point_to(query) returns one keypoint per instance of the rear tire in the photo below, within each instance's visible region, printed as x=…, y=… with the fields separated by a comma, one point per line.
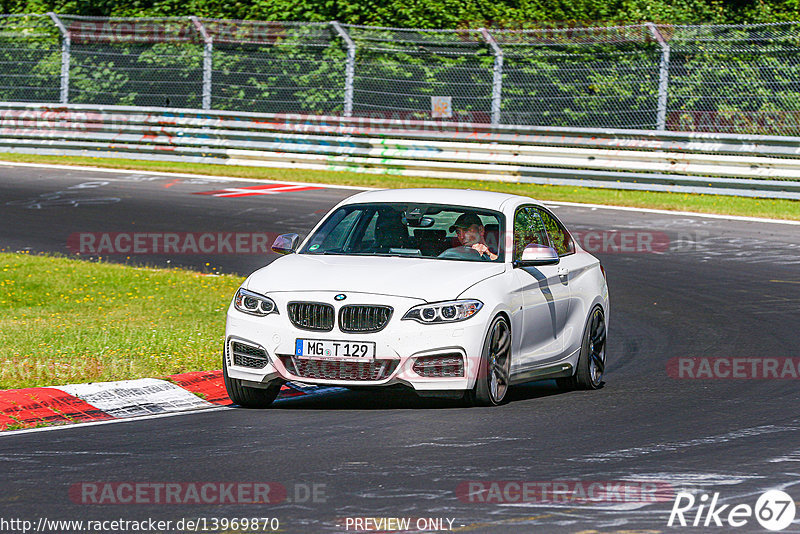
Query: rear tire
x=492, y=383
x=248, y=397
x=592, y=359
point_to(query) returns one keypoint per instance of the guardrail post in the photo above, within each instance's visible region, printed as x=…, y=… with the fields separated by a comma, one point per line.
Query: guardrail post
x=66, y=44
x=350, y=68
x=497, y=75
x=208, y=50
x=663, y=78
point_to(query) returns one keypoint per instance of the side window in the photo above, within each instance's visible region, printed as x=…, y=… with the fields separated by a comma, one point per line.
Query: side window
x=338, y=234
x=528, y=229
x=559, y=236
x=369, y=232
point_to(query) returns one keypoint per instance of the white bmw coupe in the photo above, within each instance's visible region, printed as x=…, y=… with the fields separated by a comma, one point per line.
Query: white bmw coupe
x=453, y=293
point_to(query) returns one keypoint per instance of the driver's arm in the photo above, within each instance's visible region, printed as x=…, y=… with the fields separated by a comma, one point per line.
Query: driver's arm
x=482, y=249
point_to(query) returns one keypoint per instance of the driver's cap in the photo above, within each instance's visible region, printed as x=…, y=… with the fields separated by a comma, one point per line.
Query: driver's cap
x=465, y=220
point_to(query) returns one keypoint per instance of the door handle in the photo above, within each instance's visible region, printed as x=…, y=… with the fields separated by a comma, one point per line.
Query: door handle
x=563, y=272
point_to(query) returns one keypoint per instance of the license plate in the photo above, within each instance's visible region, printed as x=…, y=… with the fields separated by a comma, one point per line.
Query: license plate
x=336, y=350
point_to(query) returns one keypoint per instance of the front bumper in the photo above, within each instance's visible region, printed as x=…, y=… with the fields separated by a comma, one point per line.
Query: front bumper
x=425, y=357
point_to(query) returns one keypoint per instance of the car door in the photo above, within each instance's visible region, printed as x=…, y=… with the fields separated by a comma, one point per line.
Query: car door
x=576, y=271
x=545, y=296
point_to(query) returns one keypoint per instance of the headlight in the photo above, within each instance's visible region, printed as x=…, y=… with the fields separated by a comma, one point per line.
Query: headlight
x=253, y=303
x=444, y=312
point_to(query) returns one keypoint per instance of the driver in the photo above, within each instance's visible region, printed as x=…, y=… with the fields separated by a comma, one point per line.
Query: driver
x=472, y=235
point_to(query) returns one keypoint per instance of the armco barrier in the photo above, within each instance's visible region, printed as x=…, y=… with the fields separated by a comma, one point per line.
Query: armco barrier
x=726, y=164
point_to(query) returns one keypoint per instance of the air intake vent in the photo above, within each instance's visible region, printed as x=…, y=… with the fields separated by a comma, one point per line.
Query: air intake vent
x=363, y=319
x=439, y=366
x=248, y=355
x=311, y=315
x=336, y=370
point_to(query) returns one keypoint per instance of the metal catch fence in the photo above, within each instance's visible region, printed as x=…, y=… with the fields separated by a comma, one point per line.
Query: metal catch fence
x=733, y=79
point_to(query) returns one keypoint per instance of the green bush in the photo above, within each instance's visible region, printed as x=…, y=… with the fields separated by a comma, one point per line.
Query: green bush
x=434, y=13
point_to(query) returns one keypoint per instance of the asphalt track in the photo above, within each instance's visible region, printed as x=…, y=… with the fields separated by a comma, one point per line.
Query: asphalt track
x=721, y=288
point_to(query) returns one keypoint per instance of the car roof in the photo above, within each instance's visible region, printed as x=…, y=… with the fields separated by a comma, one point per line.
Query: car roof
x=458, y=197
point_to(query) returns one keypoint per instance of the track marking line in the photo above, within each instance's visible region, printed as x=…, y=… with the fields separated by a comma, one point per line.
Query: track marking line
x=268, y=189
x=358, y=188
x=673, y=213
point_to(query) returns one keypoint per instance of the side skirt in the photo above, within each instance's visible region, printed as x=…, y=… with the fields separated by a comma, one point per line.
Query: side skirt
x=543, y=373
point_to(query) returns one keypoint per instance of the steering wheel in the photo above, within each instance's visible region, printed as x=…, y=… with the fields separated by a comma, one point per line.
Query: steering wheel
x=463, y=251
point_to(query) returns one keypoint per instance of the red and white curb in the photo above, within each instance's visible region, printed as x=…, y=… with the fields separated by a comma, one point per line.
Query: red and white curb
x=103, y=401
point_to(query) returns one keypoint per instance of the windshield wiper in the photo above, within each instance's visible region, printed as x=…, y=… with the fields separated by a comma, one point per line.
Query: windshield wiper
x=373, y=254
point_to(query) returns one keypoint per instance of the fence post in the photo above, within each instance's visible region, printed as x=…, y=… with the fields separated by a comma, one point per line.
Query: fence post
x=497, y=75
x=208, y=49
x=66, y=44
x=663, y=78
x=350, y=68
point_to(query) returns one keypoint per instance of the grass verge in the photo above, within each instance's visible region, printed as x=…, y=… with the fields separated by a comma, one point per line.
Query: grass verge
x=72, y=321
x=725, y=205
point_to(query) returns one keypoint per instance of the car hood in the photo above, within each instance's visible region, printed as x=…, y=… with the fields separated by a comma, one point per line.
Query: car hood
x=427, y=279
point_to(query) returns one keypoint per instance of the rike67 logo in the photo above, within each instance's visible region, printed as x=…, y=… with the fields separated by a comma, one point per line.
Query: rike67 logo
x=774, y=510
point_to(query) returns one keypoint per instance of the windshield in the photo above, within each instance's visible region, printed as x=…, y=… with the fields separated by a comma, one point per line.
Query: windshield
x=410, y=230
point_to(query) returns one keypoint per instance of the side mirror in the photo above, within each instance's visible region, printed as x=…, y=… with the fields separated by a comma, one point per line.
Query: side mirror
x=286, y=244
x=535, y=254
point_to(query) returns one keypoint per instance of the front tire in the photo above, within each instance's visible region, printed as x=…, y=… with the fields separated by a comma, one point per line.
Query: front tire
x=492, y=383
x=592, y=359
x=248, y=397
